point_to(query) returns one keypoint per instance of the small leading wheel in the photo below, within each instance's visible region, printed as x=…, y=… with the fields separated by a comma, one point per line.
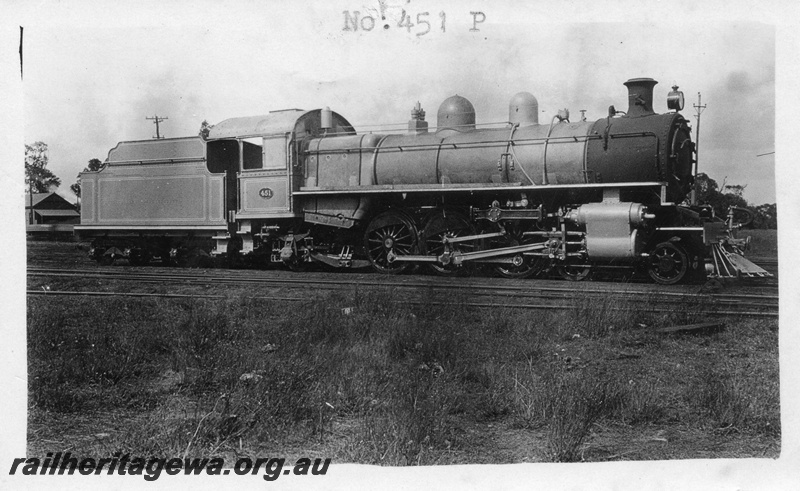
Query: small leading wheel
x=668, y=263
x=574, y=269
x=446, y=224
x=391, y=231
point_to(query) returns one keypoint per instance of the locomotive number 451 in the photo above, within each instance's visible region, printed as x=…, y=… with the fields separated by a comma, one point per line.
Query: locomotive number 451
x=355, y=21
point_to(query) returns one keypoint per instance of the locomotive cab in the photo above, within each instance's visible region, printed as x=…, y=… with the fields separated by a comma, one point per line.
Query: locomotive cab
x=265, y=149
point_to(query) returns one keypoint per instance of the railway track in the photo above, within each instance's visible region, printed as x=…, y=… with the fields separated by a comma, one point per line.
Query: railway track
x=476, y=292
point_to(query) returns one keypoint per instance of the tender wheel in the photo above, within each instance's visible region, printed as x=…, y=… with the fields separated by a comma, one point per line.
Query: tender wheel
x=166, y=259
x=573, y=269
x=206, y=262
x=139, y=257
x=446, y=224
x=390, y=231
x=195, y=258
x=107, y=259
x=668, y=263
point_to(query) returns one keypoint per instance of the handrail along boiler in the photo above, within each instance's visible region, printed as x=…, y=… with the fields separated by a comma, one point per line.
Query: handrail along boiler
x=296, y=187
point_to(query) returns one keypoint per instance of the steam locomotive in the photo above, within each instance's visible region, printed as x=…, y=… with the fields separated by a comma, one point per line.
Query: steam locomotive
x=298, y=187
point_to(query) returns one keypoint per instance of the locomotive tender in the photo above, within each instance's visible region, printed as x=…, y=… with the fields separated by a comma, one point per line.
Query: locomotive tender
x=296, y=187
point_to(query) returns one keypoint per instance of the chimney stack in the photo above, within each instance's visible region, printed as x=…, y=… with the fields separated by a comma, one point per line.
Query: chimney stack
x=640, y=97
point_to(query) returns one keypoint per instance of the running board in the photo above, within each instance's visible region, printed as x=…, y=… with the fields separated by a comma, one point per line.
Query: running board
x=731, y=265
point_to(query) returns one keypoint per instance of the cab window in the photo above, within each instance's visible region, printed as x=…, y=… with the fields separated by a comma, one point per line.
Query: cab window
x=252, y=154
x=275, y=153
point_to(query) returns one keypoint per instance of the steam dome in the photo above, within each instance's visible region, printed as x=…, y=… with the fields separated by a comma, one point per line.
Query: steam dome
x=456, y=112
x=523, y=109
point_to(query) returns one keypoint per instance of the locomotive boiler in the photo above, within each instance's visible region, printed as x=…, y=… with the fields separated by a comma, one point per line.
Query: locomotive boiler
x=298, y=187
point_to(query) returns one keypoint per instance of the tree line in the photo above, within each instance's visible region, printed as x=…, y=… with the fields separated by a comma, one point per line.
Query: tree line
x=722, y=197
x=39, y=179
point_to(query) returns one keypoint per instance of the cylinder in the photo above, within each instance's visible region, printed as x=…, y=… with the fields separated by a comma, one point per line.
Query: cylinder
x=610, y=229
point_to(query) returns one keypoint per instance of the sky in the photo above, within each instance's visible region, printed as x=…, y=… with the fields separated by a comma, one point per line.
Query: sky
x=93, y=71
x=90, y=82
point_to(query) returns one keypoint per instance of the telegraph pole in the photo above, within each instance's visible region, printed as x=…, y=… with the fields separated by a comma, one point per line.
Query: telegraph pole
x=157, y=120
x=699, y=108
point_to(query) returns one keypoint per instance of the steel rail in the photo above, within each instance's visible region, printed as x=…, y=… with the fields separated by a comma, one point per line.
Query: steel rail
x=543, y=294
x=400, y=301
x=495, y=291
x=228, y=276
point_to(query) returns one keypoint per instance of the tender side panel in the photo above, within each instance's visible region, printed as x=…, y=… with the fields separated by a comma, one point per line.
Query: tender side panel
x=157, y=195
x=88, y=198
x=164, y=149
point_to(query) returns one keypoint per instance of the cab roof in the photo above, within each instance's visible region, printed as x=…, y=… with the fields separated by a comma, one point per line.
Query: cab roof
x=277, y=123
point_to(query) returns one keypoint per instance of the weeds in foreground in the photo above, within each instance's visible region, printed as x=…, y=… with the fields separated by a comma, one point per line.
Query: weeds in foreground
x=76, y=361
x=734, y=402
x=596, y=317
x=410, y=424
x=575, y=404
x=568, y=402
x=404, y=380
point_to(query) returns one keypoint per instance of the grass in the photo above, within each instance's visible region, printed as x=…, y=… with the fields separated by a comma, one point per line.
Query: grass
x=392, y=384
x=763, y=243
